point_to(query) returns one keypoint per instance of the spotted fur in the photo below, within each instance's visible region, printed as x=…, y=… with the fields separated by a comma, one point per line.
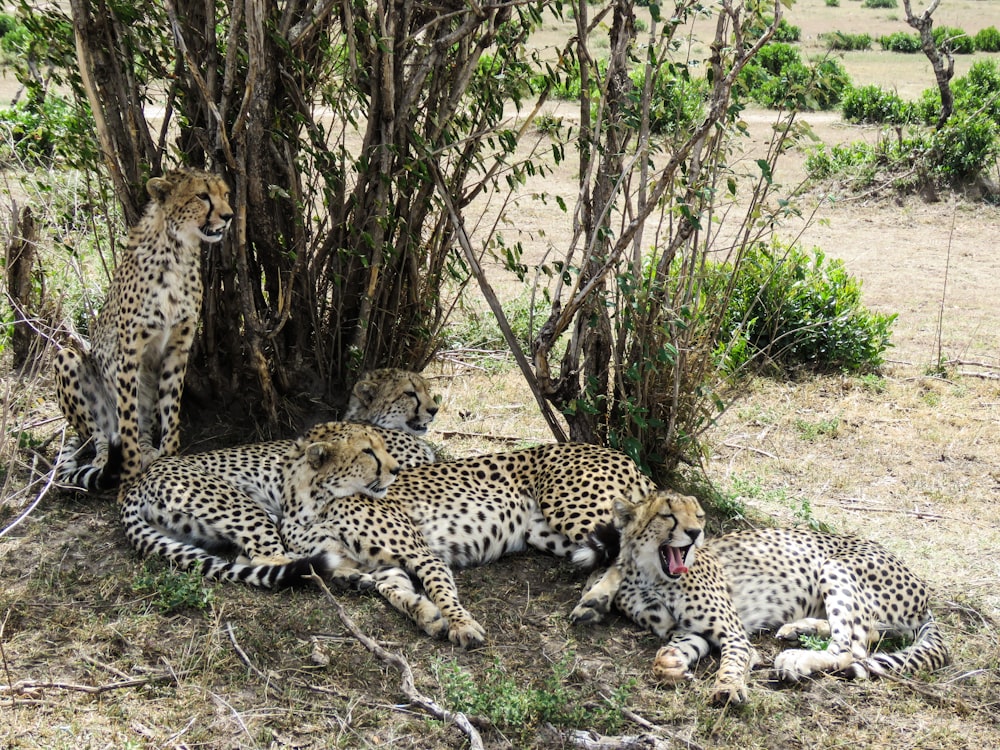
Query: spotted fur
x=798, y=581
x=192, y=509
x=467, y=512
x=122, y=391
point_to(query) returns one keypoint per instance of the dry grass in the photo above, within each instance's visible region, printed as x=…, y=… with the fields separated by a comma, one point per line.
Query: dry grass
x=89, y=660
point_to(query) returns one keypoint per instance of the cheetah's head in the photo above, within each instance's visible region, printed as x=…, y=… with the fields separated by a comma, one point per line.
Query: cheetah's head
x=662, y=532
x=337, y=459
x=393, y=399
x=195, y=203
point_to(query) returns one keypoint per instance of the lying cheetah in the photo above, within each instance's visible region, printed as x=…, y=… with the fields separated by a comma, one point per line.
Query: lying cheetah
x=121, y=393
x=461, y=513
x=191, y=509
x=750, y=581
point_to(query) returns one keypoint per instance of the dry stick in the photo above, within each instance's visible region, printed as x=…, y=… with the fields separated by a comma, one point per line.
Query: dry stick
x=243, y=655
x=395, y=660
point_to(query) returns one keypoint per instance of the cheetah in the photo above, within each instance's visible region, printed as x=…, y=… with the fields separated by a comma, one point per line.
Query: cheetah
x=193, y=509
x=121, y=392
x=394, y=399
x=698, y=594
x=464, y=512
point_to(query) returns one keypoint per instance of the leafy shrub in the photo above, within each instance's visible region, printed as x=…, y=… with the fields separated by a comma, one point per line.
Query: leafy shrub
x=879, y=4
x=954, y=40
x=840, y=40
x=777, y=78
x=832, y=3
x=677, y=101
x=786, y=32
x=872, y=104
x=796, y=309
x=987, y=40
x=979, y=89
x=900, y=41
x=41, y=132
x=964, y=146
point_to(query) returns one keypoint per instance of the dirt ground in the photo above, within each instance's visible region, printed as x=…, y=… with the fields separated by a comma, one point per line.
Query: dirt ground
x=911, y=459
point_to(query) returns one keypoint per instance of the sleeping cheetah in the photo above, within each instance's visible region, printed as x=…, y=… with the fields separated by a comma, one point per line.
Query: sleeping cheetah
x=192, y=509
x=463, y=512
x=125, y=386
x=750, y=581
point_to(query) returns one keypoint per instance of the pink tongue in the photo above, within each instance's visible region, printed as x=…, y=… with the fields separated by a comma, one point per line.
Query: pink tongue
x=677, y=565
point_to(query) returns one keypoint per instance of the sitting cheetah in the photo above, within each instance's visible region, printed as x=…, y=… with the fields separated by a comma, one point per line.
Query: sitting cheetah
x=192, y=508
x=126, y=385
x=750, y=581
x=461, y=513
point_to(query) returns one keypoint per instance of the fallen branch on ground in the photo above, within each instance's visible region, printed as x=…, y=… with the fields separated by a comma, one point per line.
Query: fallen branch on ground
x=398, y=662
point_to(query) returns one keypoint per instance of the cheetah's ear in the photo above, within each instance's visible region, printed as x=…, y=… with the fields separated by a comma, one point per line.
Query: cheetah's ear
x=318, y=454
x=365, y=391
x=159, y=188
x=624, y=513
x=324, y=452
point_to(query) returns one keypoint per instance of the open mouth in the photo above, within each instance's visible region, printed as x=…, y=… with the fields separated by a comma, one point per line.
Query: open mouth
x=672, y=559
x=210, y=234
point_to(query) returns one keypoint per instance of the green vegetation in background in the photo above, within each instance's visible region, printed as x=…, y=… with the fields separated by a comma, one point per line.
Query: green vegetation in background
x=778, y=79
x=791, y=309
x=966, y=146
x=842, y=41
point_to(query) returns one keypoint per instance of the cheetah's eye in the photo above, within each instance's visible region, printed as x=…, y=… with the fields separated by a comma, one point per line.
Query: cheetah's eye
x=369, y=452
x=203, y=196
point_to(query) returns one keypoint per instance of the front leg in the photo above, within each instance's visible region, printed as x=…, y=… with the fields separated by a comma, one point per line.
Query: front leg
x=170, y=388
x=436, y=579
x=597, y=599
x=128, y=413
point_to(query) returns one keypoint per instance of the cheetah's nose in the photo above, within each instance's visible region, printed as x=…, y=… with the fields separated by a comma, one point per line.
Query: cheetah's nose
x=693, y=534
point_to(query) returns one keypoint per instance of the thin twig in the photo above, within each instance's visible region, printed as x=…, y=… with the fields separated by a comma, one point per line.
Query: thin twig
x=738, y=447
x=243, y=655
x=399, y=662
x=650, y=726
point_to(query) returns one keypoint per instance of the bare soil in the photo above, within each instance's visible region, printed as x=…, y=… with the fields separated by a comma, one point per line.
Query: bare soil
x=911, y=459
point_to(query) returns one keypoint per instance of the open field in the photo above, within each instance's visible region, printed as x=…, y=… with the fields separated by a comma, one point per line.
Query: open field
x=911, y=459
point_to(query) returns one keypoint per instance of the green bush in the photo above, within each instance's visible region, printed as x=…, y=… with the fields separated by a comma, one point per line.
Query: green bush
x=954, y=40
x=879, y=4
x=872, y=104
x=900, y=41
x=39, y=133
x=786, y=32
x=777, y=78
x=795, y=309
x=987, y=40
x=979, y=89
x=677, y=102
x=964, y=147
x=832, y=3
x=840, y=40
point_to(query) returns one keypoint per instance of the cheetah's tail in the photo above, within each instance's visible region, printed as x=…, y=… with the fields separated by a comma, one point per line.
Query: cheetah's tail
x=89, y=477
x=150, y=541
x=928, y=652
x=601, y=548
